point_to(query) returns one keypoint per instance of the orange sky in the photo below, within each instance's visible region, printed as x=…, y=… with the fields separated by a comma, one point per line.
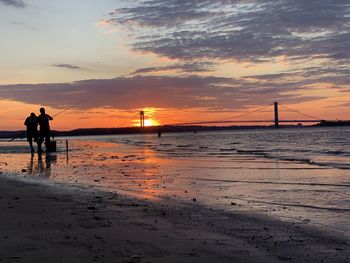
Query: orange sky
x=14, y=114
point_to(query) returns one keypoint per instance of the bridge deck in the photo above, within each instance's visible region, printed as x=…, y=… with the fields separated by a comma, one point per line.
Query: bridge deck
x=247, y=121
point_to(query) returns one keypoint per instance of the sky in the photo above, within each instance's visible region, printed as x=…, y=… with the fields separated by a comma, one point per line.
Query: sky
x=102, y=62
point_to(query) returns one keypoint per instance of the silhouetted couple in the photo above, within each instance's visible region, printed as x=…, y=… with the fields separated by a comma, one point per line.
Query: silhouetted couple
x=32, y=123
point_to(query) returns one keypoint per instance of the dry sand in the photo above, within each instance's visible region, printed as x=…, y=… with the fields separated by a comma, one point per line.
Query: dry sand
x=61, y=223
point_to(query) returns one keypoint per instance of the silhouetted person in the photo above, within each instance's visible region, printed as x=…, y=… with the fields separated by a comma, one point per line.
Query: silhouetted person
x=43, y=120
x=31, y=123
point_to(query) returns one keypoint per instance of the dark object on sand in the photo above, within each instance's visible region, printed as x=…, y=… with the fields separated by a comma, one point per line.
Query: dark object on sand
x=51, y=146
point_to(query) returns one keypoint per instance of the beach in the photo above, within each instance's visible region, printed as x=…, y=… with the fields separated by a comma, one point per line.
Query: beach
x=57, y=223
x=109, y=201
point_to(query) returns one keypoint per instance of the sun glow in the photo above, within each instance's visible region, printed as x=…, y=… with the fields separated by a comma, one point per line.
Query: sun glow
x=147, y=118
x=150, y=122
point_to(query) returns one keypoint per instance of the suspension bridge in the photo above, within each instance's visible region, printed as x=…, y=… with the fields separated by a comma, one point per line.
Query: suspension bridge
x=274, y=113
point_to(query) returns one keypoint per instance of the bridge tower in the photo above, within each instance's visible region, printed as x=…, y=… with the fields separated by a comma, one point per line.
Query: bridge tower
x=276, y=114
x=142, y=119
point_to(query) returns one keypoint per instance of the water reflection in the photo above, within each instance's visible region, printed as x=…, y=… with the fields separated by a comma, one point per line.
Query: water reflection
x=41, y=166
x=209, y=171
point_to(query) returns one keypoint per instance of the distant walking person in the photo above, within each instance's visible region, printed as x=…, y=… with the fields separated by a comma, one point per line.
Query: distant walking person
x=43, y=120
x=31, y=123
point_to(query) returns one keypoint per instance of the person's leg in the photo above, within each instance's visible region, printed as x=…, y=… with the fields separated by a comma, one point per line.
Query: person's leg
x=30, y=141
x=40, y=141
x=31, y=145
x=47, y=141
x=36, y=138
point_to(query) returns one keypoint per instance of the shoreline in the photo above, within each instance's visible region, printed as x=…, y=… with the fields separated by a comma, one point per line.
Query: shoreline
x=61, y=222
x=7, y=135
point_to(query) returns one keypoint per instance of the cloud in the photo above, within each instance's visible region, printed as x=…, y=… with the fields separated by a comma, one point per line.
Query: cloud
x=186, y=68
x=15, y=3
x=336, y=76
x=66, y=66
x=127, y=93
x=313, y=36
x=254, y=30
x=346, y=104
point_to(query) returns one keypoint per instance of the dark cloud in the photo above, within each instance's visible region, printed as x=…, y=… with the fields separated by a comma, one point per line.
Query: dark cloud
x=186, y=68
x=343, y=105
x=15, y=3
x=335, y=105
x=254, y=30
x=312, y=32
x=66, y=66
x=212, y=93
x=335, y=76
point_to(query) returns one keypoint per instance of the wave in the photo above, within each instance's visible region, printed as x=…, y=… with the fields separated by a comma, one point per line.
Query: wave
x=267, y=182
x=334, y=209
x=185, y=146
x=270, y=155
x=337, y=153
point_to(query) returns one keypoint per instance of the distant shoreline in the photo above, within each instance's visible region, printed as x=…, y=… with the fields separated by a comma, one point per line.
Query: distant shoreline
x=169, y=129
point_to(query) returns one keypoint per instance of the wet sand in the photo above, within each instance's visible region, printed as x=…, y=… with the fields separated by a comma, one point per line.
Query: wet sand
x=56, y=222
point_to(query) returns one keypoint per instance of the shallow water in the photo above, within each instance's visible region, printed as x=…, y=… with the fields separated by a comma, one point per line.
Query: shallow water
x=295, y=174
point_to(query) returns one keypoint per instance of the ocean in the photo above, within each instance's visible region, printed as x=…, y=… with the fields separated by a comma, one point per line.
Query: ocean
x=298, y=175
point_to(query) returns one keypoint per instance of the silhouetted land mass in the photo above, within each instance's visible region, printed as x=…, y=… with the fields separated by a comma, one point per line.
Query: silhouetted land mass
x=333, y=123
x=128, y=130
x=163, y=129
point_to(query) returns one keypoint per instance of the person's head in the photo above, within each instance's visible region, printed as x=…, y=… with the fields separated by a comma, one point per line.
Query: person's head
x=32, y=115
x=42, y=110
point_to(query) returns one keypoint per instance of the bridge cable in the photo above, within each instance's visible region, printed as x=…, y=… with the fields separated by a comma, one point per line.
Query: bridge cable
x=304, y=114
x=223, y=120
x=247, y=113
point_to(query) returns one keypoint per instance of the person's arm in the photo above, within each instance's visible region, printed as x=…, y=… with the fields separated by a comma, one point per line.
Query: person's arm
x=26, y=122
x=50, y=118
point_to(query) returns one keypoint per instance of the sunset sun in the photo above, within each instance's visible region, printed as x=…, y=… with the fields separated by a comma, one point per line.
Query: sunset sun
x=150, y=122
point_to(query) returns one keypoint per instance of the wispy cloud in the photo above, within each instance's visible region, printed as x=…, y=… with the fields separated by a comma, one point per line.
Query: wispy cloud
x=185, y=68
x=66, y=66
x=15, y=3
